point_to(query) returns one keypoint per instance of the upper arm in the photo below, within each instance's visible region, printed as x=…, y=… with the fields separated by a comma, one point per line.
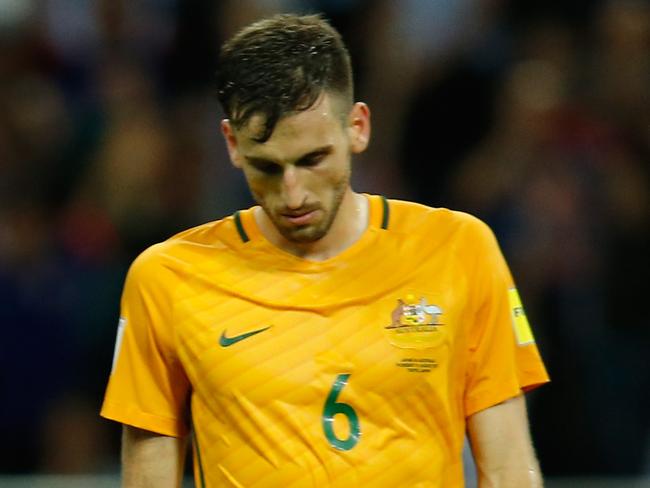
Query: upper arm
x=151, y=460
x=148, y=387
x=502, y=447
x=502, y=357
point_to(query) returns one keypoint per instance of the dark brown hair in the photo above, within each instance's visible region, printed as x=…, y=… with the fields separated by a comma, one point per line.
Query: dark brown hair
x=279, y=66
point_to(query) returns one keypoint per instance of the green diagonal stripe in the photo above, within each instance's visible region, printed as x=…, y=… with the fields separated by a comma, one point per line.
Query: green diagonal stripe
x=195, y=441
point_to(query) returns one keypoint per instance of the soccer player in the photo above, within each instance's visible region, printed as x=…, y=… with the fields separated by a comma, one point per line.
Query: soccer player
x=324, y=338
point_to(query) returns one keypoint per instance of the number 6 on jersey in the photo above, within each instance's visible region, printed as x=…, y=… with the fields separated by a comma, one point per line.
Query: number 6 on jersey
x=332, y=407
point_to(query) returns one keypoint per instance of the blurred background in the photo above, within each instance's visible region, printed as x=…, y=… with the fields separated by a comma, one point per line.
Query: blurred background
x=534, y=116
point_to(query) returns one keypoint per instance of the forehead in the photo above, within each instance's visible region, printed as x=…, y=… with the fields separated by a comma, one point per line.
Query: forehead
x=295, y=135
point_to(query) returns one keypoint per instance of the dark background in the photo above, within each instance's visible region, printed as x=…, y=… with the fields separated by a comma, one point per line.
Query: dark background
x=534, y=116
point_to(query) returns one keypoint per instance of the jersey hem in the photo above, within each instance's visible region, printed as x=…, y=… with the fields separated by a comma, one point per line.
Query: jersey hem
x=500, y=396
x=143, y=420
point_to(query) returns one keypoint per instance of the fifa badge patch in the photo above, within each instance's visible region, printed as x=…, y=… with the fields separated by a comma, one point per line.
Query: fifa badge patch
x=415, y=324
x=523, y=333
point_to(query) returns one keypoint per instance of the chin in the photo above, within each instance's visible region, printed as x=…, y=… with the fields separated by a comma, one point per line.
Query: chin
x=303, y=235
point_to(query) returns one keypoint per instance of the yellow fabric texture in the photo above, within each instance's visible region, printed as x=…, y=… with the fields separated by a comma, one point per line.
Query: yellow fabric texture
x=358, y=371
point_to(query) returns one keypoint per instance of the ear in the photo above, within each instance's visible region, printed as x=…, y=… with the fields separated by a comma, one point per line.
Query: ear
x=231, y=142
x=359, y=127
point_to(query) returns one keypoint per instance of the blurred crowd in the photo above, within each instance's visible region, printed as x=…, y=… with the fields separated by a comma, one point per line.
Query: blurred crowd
x=534, y=116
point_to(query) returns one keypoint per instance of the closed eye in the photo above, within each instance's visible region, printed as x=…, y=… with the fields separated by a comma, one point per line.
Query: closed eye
x=313, y=159
x=266, y=167
x=270, y=167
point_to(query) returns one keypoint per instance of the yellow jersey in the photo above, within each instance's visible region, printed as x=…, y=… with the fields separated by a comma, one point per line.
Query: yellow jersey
x=357, y=371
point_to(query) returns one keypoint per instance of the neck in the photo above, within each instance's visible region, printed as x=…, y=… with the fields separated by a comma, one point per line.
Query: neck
x=349, y=224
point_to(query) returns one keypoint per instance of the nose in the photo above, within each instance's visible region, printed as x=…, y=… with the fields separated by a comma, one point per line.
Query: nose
x=293, y=191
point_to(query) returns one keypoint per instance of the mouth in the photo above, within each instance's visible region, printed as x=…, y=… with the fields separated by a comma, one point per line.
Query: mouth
x=300, y=218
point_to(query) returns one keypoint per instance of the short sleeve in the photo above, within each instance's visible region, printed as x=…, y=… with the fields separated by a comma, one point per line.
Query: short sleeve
x=147, y=387
x=503, y=359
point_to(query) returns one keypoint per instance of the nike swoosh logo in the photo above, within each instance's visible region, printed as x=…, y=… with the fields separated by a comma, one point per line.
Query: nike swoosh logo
x=229, y=341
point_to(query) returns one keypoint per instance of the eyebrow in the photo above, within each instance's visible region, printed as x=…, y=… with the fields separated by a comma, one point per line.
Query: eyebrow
x=315, y=152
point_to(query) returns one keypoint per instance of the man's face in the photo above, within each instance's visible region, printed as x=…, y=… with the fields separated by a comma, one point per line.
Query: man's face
x=300, y=175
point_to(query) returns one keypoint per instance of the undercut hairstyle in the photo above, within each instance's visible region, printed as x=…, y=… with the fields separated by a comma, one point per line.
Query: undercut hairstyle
x=280, y=66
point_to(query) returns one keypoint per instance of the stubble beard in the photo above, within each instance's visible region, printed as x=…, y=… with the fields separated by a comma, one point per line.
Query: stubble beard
x=309, y=233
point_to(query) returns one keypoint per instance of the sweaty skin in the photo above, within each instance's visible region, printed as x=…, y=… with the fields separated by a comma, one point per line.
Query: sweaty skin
x=301, y=177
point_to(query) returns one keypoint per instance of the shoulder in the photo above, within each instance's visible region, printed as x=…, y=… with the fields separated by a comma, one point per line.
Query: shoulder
x=424, y=231
x=413, y=218
x=186, y=250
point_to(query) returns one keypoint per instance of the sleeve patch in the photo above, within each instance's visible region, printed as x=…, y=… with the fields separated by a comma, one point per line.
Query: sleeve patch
x=118, y=341
x=520, y=323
